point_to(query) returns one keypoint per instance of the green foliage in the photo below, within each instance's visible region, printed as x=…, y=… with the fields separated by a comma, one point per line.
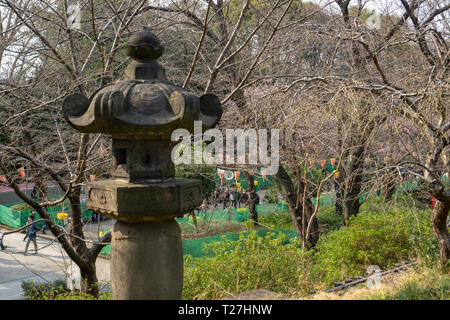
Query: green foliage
x=247, y=264
x=277, y=220
x=328, y=218
x=44, y=290
x=374, y=237
x=271, y=195
x=417, y=222
x=82, y=296
x=56, y=290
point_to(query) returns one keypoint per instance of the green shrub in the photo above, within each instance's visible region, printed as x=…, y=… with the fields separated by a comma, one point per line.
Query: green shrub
x=43, y=290
x=271, y=195
x=249, y=263
x=417, y=221
x=328, y=218
x=82, y=296
x=372, y=238
x=56, y=290
x=276, y=220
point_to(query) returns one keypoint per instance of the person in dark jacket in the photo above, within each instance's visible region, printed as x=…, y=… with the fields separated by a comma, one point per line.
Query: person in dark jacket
x=30, y=219
x=32, y=230
x=34, y=193
x=224, y=198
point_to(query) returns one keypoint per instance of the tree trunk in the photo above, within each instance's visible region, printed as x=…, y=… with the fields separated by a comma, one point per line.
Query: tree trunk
x=440, y=229
x=351, y=208
x=389, y=185
x=194, y=220
x=87, y=269
x=89, y=281
x=353, y=185
x=252, y=199
x=295, y=207
x=341, y=178
x=77, y=224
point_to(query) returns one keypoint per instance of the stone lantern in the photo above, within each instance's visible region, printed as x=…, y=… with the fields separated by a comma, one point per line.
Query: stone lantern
x=140, y=113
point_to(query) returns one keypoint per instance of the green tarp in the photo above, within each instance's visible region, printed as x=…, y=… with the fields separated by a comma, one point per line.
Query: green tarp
x=195, y=247
x=18, y=218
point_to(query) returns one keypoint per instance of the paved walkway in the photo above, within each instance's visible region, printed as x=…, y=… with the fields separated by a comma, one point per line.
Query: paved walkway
x=49, y=264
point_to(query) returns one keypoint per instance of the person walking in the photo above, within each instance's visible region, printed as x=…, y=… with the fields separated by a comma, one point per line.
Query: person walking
x=232, y=199
x=244, y=197
x=204, y=209
x=34, y=193
x=238, y=198
x=224, y=198
x=30, y=219
x=35, y=196
x=31, y=233
x=216, y=198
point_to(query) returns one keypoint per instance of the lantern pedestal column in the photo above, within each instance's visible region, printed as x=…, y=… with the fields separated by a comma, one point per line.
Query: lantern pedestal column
x=146, y=261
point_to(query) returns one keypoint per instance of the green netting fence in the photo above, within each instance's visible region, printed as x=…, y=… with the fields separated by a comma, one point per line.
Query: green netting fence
x=220, y=216
x=195, y=247
x=17, y=218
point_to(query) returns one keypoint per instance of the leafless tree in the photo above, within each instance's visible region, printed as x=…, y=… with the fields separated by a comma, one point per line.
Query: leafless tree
x=43, y=61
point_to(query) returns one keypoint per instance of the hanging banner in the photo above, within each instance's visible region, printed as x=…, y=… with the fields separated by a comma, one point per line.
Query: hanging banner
x=323, y=164
x=367, y=161
x=332, y=161
x=414, y=155
x=92, y=177
x=221, y=176
x=236, y=175
x=22, y=172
